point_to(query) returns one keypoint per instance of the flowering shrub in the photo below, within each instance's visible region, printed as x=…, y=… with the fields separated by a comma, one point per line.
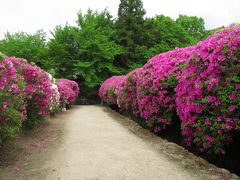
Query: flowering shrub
x=37, y=90
x=55, y=99
x=108, y=90
x=200, y=84
x=155, y=87
x=27, y=94
x=208, y=101
x=12, y=107
x=68, y=91
x=127, y=93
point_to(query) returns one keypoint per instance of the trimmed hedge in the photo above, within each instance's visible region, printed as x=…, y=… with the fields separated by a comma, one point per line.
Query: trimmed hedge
x=127, y=93
x=108, y=90
x=27, y=95
x=199, y=84
x=155, y=87
x=208, y=96
x=68, y=90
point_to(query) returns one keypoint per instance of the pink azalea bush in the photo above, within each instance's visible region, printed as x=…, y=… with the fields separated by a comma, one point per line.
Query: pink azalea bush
x=28, y=94
x=208, y=98
x=108, y=90
x=155, y=87
x=12, y=106
x=68, y=90
x=127, y=93
x=200, y=84
x=37, y=90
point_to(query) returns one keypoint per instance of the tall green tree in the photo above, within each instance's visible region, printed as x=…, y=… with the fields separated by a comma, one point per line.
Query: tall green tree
x=97, y=50
x=129, y=27
x=86, y=52
x=194, y=26
x=24, y=45
x=63, y=51
x=162, y=34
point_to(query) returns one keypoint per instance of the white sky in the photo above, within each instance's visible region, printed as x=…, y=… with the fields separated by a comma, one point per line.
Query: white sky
x=31, y=15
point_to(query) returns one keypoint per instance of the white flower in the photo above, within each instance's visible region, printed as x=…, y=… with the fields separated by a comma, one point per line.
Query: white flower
x=50, y=76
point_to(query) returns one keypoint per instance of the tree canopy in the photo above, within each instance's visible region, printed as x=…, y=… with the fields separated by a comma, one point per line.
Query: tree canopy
x=130, y=31
x=100, y=46
x=24, y=45
x=194, y=26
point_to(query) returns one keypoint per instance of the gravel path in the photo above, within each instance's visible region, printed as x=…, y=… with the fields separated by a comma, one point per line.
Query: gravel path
x=93, y=142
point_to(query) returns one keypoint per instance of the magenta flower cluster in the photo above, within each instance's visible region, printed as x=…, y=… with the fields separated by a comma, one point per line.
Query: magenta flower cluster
x=108, y=89
x=27, y=94
x=208, y=92
x=127, y=93
x=37, y=86
x=12, y=106
x=68, y=90
x=155, y=87
x=199, y=85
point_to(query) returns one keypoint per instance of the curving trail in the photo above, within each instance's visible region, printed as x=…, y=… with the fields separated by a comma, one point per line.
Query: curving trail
x=93, y=142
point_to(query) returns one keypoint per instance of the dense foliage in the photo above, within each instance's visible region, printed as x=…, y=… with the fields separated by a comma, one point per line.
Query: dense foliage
x=27, y=95
x=86, y=52
x=12, y=106
x=155, y=87
x=108, y=89
x=27, y=46
x=208, y=92
x=68, y=90
x=130, y=32
x=200, y=84
x=37, y=90
x=194, y=26
x=127, y=92
x=163, y=34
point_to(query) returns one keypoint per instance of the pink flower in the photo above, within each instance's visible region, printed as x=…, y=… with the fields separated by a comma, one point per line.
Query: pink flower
x=222, y=150
x=237, y=86
x=208, y=122
x=228, y=126
x=232, y=96
x=212, y=99
x=68, y=90
x=209, y=138
x=157, y=129
x=219, y=119
x=231, y=108
x=199, y=128
x=4, y=105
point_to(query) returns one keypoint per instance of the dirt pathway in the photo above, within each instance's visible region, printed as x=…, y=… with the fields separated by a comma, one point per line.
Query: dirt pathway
x=93, y=142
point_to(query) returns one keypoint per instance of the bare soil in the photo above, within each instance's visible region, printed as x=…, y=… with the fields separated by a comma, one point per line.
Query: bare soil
x=94, y=142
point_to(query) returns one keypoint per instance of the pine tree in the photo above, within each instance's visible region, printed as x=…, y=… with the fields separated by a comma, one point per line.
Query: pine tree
x=129, y=27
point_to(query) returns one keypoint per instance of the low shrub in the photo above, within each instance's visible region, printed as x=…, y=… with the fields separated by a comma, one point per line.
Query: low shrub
x=68, y=90
x=107, y=91
x=208, y=93
x=198, y=85
x=12, y=105
x=28, y=94
x=37, y=90
x=155, y=87
x=127, y=93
